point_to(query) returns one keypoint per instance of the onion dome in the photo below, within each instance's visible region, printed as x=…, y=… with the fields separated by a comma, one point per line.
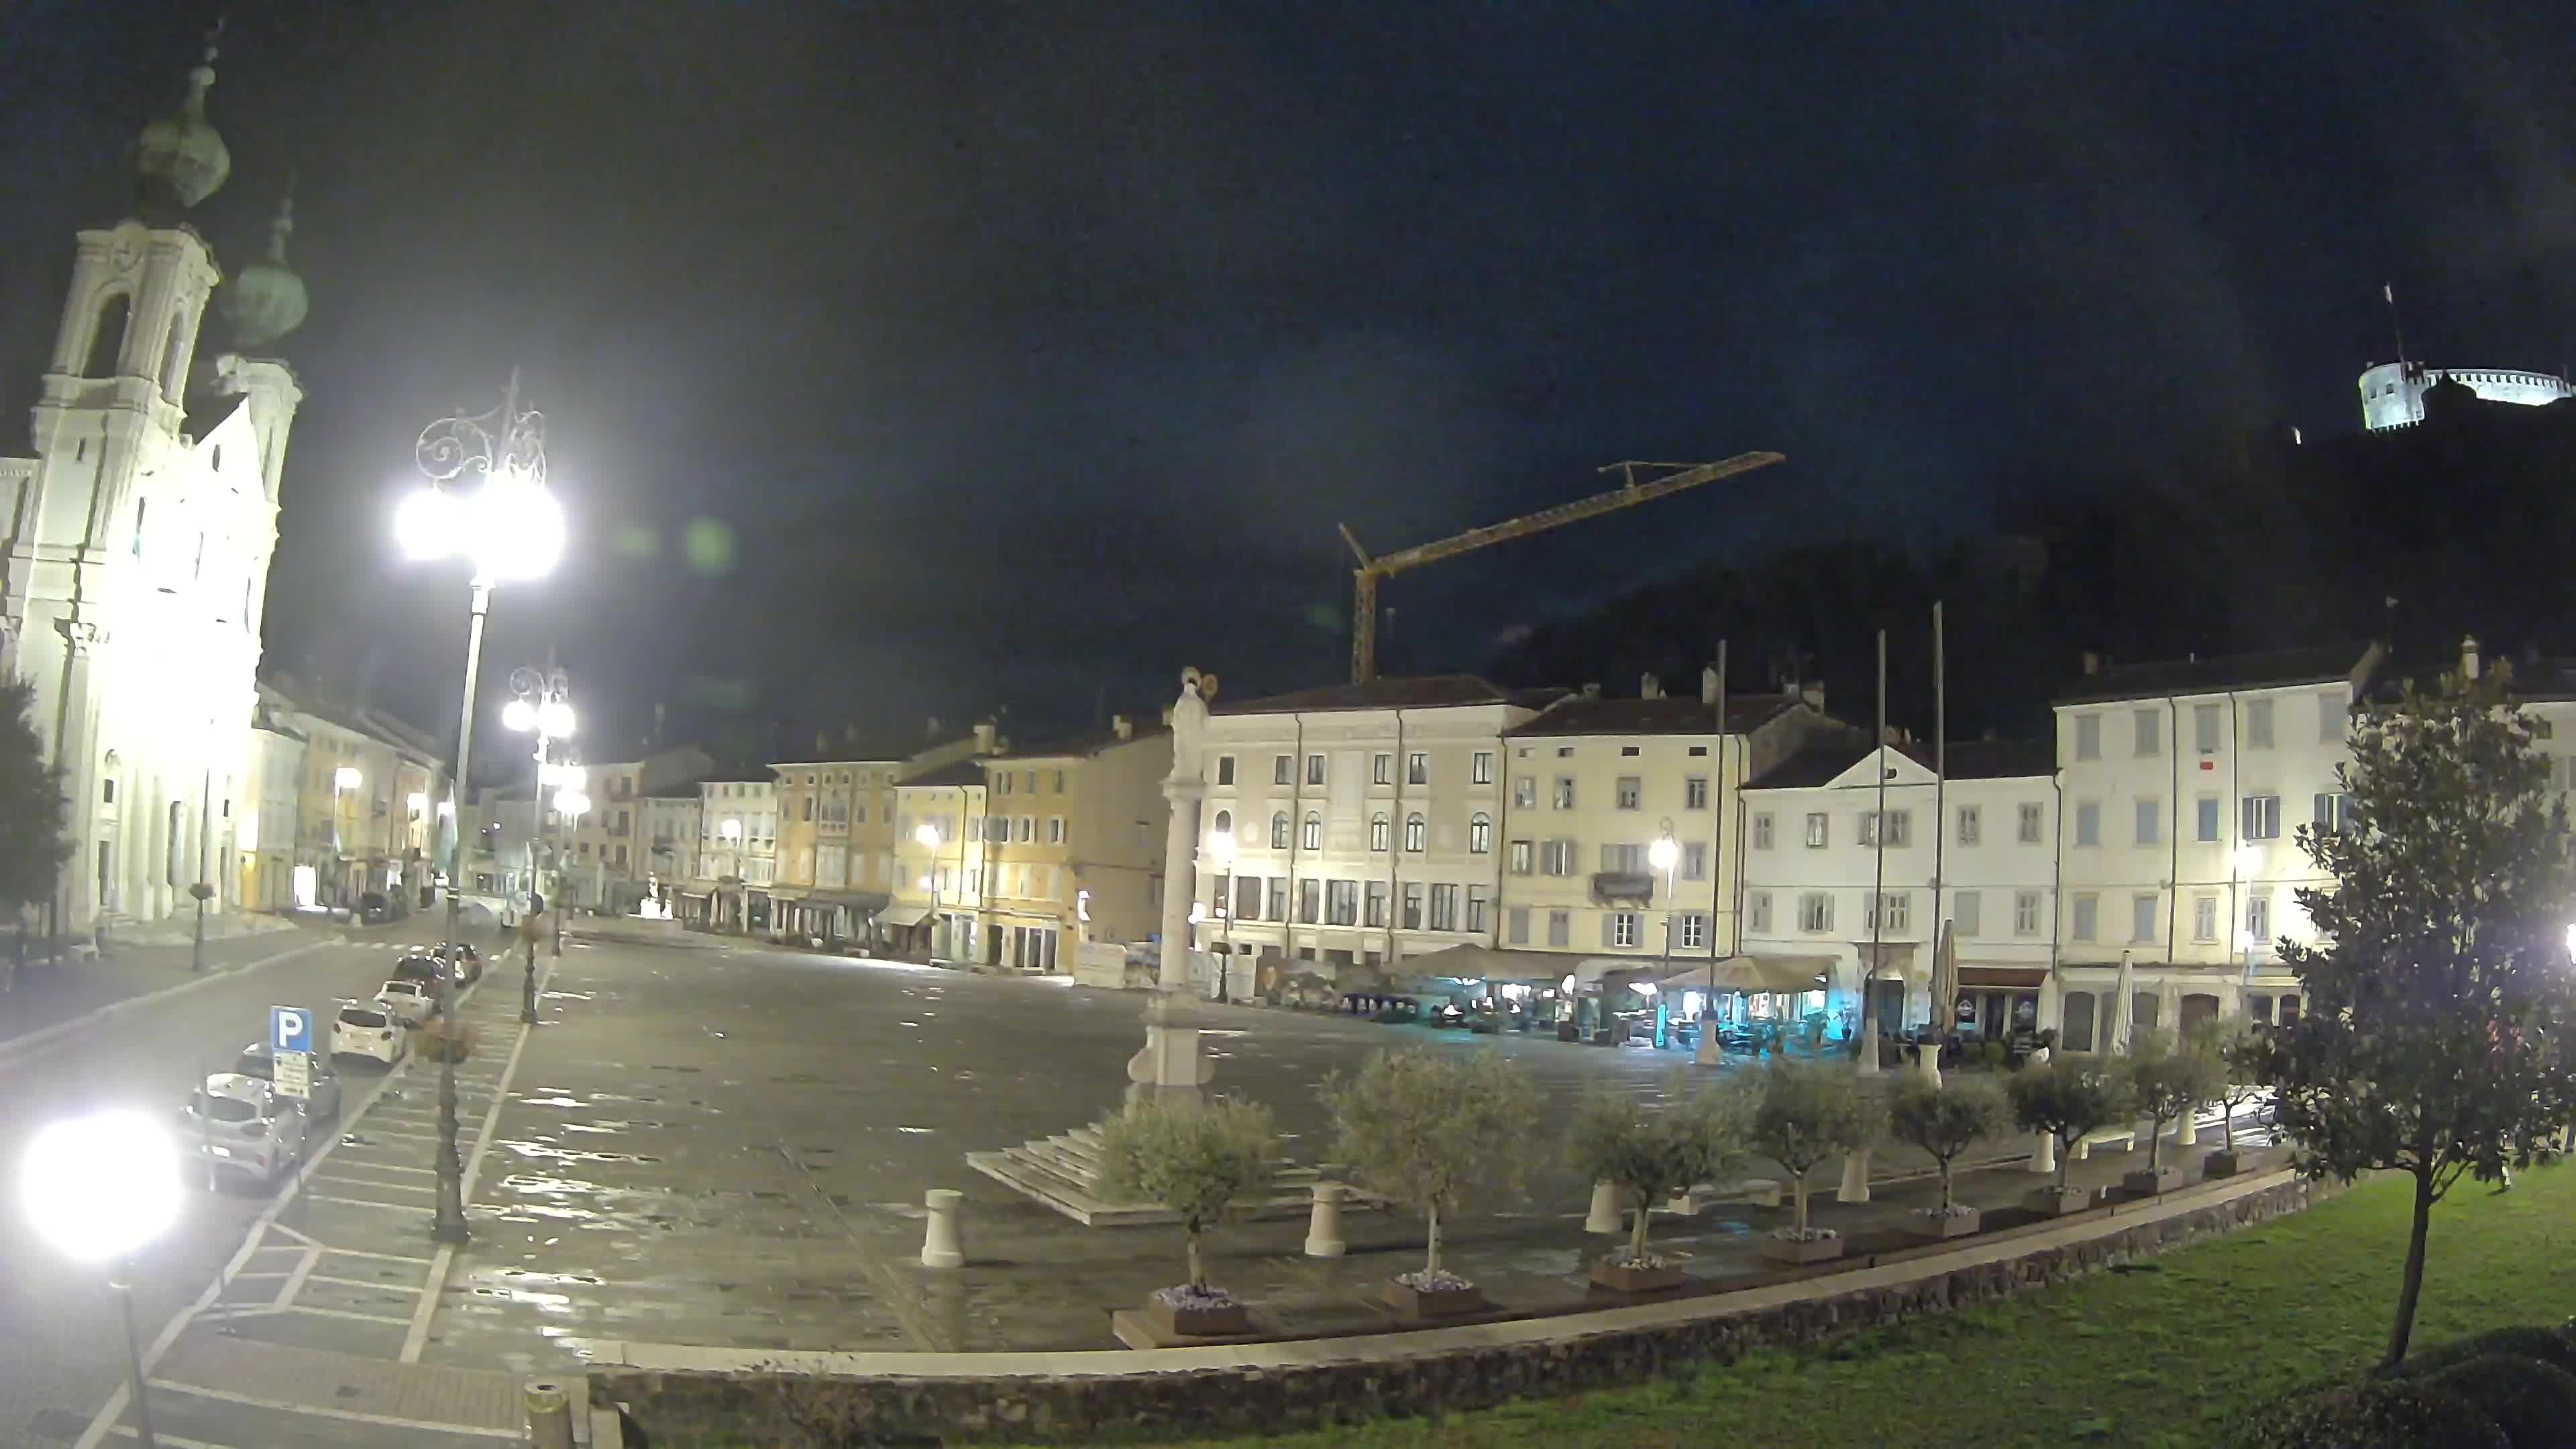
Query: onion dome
x=180, y=158
x=266, y=300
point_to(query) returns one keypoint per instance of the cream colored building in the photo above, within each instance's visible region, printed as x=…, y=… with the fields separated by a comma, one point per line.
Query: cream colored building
x=367, y=801
x=1073, y=845
x=836, y=831
x=737, y=851
x=939, y=887
x=612, y=869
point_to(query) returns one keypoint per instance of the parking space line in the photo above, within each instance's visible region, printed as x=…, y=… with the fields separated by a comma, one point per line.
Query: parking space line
x=376, y=1182
x=127, y=1431
x=376, y=1284
x=295, y=1281
x=320, y=1411
x=395, y=1167
x=398, y=1207
x=346, y=1313
x=385, y=1257
x=435, y=1282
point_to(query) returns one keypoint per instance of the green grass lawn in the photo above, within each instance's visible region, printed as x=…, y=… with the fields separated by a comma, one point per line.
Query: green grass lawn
x=2170, y=1353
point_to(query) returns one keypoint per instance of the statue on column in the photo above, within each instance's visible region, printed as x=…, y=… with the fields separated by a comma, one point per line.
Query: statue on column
x=1171, y=1061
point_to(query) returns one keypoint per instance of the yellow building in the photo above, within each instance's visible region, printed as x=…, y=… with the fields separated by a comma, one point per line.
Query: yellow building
x=1073, y=846
x=364, y=814
x=939, y=861
x=836, y=833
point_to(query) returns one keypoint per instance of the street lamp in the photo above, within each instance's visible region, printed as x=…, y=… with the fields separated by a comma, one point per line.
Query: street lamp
x=1221, y=850
x=98, y=1188
x=731, y=831
x=1664, y=855
x=505, y=525
x=537, y=704
x=928, y=836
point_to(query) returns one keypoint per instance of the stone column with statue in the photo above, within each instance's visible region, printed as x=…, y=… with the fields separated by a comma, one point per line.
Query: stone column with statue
x=1170, y=1063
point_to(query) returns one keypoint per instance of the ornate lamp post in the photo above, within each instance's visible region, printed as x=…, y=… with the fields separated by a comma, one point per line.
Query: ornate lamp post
x=1220, y=847
x=486, y=502
x=1664, y=855
x=537, y=703
x=98, y=1188
x=928, y=835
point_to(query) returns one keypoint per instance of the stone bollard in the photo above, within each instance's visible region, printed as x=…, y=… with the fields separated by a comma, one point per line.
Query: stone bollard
x=1927, y=1062
x=2187, y=1130
x=1324, y=1228
x=939, y=1243
x=1855, y=1186
x=2043, y=1153
x=549, y=1416
x=1604, y=1217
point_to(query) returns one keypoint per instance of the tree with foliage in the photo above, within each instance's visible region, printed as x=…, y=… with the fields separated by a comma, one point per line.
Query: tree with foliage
x=1946, y=1121
x=2440, y=999
x=2240, y=1080
x=2066, y=1099
x=1196, y=1158
x=2167, y=1079
x=1428, y=1128
x=1809, y=1112
x=33, y=846
x=1651, y=1153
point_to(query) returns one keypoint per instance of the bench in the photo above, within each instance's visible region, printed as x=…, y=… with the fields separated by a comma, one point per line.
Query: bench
x=2126, y=1137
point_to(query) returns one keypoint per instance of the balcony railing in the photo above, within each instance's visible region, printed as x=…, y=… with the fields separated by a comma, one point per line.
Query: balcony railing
x=1623, y=885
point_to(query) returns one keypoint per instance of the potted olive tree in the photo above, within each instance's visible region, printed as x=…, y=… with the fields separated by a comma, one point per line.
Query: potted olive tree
x=1428, y=1128
x=2167, y=1082
x=1808, y=1113
x=2065, y=1100
x=1649, y=1154
x=1946, y=1121
x=1198, y=1159
x=2240, y=1084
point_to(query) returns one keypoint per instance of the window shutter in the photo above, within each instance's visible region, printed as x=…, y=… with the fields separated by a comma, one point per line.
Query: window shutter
x=1606, y=937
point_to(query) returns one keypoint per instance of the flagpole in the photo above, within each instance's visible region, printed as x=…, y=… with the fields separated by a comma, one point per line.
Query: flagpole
x=1943, y=1013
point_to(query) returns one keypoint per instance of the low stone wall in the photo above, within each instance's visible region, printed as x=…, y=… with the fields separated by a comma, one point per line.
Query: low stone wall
x=681, y=1409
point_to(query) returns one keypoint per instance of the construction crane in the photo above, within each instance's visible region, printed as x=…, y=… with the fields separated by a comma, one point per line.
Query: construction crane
x=1364, y=580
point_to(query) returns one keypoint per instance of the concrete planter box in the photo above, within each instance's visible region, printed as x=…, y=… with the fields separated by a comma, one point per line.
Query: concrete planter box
x=1414, y=1303
x=1935, y=1227
x=2221, y=1163
x=1801, y=1250
x=2147, y=1182
x=2049, y=1202
x=1170, y=1322
x=1621, y=1278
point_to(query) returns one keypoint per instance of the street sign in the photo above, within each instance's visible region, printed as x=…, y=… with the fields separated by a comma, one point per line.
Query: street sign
x=294, y=1074
x=290, y=1029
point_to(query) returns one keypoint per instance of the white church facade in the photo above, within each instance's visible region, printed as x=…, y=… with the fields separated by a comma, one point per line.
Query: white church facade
x=139, y=537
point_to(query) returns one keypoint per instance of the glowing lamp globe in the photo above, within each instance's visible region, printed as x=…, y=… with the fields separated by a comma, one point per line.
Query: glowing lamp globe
x=731, y=830
x=1663, y=853
x=928, y=835
x=346, y=778
x=1221, y=847
x=554, y=717
x=572, y=802
x=427, y=525
x=99, y=1187
x=519, y=715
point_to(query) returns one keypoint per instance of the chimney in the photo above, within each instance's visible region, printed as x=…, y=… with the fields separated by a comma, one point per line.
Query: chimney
x=984, y=737
x=2468, y=656
x=1708, y=685
x=1592, y=691
x=1814, y=695
x=1650, y=687
x=2092, y=662
x=1124, y=726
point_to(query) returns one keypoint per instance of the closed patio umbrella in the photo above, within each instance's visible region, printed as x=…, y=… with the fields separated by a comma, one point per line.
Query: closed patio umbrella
x=2116, y=1036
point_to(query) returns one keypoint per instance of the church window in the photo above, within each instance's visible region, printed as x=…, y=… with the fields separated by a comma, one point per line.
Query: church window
x=107, y=789
x=107, y=338
x=174, y=359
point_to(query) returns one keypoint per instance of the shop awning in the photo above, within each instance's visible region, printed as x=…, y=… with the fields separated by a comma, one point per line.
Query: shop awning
x=906, y=914
x=847, y=900
x=2015, y=978
x=1895, y=958
x=1787, y=974
x=1486, y=963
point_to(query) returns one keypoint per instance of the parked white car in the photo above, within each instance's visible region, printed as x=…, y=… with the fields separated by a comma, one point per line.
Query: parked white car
x=242, y=1125
x=410, y=1002
x=365, y=1030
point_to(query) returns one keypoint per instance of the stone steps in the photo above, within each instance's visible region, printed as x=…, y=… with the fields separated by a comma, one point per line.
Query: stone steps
x=1063, y=1172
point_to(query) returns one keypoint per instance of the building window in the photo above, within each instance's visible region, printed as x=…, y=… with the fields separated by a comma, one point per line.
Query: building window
x=2204, y=728
x=1817, y=831
x=2087, y=917
x=1516, y=926
x=2142, y=917
x=1279, y=830
x=1694, y=931
x=1631, y=792
x=1480, y=834
x=1816, y=912
x=1001, y=782
x=1314, y=769
x=1623, y=859
x=1967, y=913
x=1476, y=907
x=1887, y=911
x=2078, y=1035
x=2332, y=716
x=1413, y=905
x=1619, y=928
x=1382, y=769
x=2333, y=813
x=1225, y=769
x=2031, y=820
x=2088, y=822
x=1415, y=831
x=1342, y=903
x=1444, y=908
x=1556, y=857
x=1282, y=769
x=1247, y=897
x=1480, y=768
x=1379, y=831
x=1898, y=827
x=2261, y=817
x=2258, y=919
x=1376, y=904
x=1314, y=832
x=1028, y=829
x=1972, y=825
x=1521, y=856
x=2148, y=727
x=1417, y=769
x=1695, y=792
x=1564, y=796
x=2025, y=913
x=1524, y=792
x=1310, y=900
x=1762, y=830
x=1055, y=830
x=2088, y=737
x=2205, y=819
x=1560, y=928
x=2204, y=918
x=107, y=791
x=2258, y=724
x=1695, y=860
x=1757, y=911
x=2150, y=821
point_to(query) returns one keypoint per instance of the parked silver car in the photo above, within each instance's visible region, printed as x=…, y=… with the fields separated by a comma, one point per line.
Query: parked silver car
x=241, y=1125
x=323, y=1105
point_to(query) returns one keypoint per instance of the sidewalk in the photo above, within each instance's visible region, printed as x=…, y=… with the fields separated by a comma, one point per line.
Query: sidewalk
x=51, y=993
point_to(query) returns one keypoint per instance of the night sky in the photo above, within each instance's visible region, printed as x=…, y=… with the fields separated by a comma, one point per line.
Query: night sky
x=1013, y=356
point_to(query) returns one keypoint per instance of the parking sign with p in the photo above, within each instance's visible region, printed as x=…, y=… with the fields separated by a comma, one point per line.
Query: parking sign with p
x=290, y=1029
